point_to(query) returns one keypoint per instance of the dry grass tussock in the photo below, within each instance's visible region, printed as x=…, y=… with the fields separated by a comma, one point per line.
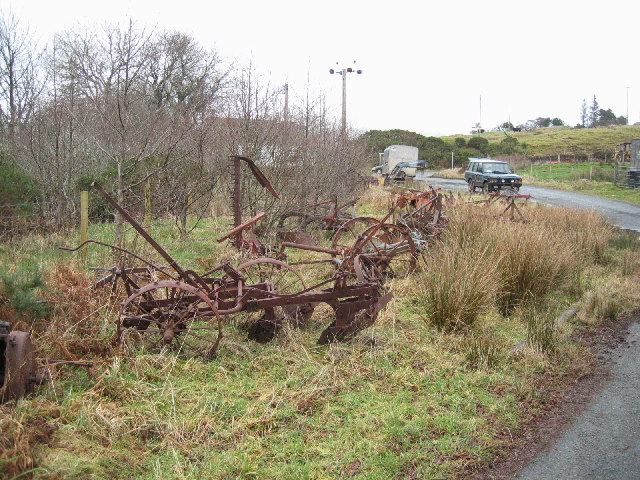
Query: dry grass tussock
x=20, y=433
x=82, y=318
x=454, y=291
x=587, y=231
x=450, y=173
x=485, y=261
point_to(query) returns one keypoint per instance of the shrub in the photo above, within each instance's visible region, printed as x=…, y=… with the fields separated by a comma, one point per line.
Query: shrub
x=454, y=291
x=20, y=292
x=532, y=263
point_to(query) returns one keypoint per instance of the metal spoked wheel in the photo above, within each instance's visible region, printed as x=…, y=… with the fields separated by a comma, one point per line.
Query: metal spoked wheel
x=389, y=249
x=293, y=221
x=346, y=235
x=273, y=276
x=170, y=315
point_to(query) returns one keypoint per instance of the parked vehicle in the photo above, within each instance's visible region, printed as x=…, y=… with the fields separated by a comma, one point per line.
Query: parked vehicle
x=490, y=175
x=399, y=162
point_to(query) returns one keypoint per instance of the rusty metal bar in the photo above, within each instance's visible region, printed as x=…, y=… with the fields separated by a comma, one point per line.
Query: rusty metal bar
x=313, y=248
x=242, y=226
x=139, y=229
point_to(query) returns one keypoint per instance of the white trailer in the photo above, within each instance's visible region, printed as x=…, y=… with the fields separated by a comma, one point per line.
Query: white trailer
x=395, y=154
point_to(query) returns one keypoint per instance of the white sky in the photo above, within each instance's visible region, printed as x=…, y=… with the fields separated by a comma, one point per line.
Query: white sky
x=425, y=64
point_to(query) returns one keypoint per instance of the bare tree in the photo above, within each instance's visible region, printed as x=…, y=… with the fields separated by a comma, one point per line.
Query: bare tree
x=20, y=83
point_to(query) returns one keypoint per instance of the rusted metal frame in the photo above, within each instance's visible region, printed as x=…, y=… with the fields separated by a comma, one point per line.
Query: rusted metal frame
x=513, y=207
x=419, y=209
x=115, y=273
x=196, y=292
x=252, y=244
x=365, y=237
x=324, y=295
x=312, y=262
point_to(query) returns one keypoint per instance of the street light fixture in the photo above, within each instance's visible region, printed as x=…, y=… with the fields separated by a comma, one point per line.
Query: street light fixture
x=343, y=72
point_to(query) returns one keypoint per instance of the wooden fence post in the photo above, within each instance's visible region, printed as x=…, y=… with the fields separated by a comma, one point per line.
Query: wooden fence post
x=84, y=223
x=147, y=204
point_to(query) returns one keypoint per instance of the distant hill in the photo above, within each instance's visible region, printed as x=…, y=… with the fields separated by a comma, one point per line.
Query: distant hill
x=552, y=141
x=580, y=143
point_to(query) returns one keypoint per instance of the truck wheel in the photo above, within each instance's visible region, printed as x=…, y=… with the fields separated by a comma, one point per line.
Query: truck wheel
x=401, y=176
x=472, y=186
x=485, y=188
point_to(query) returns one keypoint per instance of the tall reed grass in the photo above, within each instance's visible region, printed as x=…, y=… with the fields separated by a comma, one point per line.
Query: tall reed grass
x=486, y=262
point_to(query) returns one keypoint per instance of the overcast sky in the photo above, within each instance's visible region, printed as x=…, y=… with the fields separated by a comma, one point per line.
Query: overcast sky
x=425, y=64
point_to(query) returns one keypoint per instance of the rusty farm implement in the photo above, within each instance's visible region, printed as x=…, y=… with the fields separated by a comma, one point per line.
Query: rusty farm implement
x=185, y=310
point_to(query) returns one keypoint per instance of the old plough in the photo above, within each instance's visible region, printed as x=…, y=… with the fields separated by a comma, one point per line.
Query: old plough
x=184, y=310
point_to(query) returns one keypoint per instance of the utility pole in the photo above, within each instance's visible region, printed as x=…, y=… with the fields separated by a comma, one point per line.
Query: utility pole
x=344, y=72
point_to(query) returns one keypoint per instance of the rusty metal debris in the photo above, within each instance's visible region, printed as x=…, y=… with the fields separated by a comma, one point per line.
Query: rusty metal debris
x=325, y=215
x=243, y=236
x=17, y=363
x=185, y=312
x=508, y=197
x=19, y=371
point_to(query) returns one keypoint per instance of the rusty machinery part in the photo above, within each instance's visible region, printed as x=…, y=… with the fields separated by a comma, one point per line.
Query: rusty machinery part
x=146, y=274
x=509, y=197
x=243, y=238
x=424, y=222
x=237, y=185
x=17, y=363
x=170, y=314
x=279, y=278
x=390, y=248
x=262, y=179
x=512, y=211
x=353, y=315
x=294, y=221
x=335, y=217
x=308, y=219
x=156, y=246
x=348, y=232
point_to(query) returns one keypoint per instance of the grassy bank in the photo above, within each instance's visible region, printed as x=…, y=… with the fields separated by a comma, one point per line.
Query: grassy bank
x=554, y=141
x=430, y=391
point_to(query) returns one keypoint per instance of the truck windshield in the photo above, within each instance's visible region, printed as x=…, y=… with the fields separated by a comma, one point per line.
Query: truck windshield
x=496, y=168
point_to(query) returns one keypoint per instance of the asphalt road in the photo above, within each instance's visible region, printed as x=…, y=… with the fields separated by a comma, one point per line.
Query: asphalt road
x=623, y=214
x=604, y=441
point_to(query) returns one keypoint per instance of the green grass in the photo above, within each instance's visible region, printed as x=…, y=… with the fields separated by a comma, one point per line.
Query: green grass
x=402, y=400
x=592, y=178
x=554, y=141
